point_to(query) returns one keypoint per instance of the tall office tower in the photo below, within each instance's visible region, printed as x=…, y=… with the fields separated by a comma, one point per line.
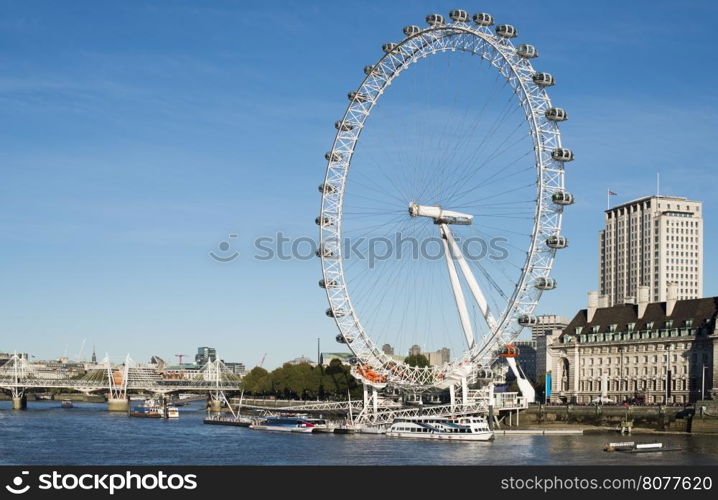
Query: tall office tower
x=651, y=242
x=205, y=354
x=548, y=323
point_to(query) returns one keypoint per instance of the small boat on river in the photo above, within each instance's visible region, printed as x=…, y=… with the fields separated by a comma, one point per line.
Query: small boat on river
x=285, y=424
x=633, y=447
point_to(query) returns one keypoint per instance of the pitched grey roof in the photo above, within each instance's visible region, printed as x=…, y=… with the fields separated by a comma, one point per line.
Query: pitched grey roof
x=703, y=312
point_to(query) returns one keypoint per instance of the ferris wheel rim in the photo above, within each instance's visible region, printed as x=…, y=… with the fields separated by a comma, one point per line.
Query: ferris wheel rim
x=340, y=302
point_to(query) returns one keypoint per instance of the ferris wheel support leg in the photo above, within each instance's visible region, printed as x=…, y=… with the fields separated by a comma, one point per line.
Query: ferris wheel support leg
x=375, y=401
x=464, y=391
x=366, y=396
x=470, y=279
x=452, y=398
x=456, y=287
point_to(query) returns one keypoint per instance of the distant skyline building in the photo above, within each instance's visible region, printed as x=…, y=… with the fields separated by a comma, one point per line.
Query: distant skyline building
x=204, y=355
x=651, y=242
x=387, y=349
x=438, y=358
x=548, y=323
x=236, y=368
x=302, y=360
x=414, y=350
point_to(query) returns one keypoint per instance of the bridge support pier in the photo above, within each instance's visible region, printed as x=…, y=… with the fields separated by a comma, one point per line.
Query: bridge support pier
x=115, y=404
x=19, y=403
x=214, y=403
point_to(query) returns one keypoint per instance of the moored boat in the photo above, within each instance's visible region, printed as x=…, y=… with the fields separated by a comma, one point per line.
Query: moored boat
x=633, y=447
x=237, y=421
x=452, y=429
x=285, y=424
x=66, y=403
x=148, y=409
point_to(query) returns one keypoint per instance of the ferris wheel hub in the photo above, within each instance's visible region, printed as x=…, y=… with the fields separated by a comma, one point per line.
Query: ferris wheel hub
x=439, y=215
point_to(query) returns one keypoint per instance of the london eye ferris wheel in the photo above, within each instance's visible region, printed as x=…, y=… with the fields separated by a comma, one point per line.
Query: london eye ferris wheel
x=442, y=201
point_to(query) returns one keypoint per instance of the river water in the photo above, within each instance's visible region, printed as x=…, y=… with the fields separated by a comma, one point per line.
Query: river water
x=89, y=435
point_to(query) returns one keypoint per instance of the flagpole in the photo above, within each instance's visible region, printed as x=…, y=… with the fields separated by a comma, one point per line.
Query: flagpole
x=608, y=199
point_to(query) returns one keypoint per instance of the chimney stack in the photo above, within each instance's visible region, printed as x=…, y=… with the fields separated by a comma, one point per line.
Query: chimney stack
x=672, y=297
x=602, y=301
x=592, y=305
x=643, y=299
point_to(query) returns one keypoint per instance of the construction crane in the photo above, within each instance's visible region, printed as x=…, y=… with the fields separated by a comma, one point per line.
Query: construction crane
x=180, y=356
x=262, y=361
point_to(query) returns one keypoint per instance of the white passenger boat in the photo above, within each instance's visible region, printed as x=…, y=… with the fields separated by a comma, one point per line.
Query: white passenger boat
x=454, y=429
x=285, y=424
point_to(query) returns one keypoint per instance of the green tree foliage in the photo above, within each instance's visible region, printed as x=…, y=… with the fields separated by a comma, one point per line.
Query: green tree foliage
x=417, y=360
x=257, y=382
x=303, y=381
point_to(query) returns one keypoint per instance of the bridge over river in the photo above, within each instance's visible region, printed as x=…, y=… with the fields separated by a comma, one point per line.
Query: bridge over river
x=18, y=377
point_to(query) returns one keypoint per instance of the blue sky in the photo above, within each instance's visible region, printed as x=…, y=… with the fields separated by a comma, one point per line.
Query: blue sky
x=137, y=135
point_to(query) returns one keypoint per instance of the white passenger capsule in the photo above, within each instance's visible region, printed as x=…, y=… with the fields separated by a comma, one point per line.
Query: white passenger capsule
x=562, y=198
x=556, y=241
x=343, y=126
x=357, y=96
x=411, y=30
x=372, y=71
x=335, y=314
x=459, y=16
x=526, y=51
x=543, y=79
x=332, y=156
x=435, y=19
x=506, y=31
x=483, y=19
x=556, y=114
x=545, y=283
x=327, y=284
x=528, y=320
x=324, y=221
x=340, y=338
x=327, y=253
x=389, y=47
x=562, y=154
x=327, y=189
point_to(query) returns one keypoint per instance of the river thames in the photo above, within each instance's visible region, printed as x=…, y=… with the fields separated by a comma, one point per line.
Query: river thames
x=87, y=434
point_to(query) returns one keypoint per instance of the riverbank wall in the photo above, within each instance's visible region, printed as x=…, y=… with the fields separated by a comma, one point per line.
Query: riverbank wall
x=699, y=420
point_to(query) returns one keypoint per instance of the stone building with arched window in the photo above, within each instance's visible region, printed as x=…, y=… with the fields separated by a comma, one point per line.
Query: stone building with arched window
x=652, y=353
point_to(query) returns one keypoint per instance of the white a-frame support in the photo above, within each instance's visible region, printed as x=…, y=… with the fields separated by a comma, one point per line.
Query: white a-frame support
x=453, y=254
